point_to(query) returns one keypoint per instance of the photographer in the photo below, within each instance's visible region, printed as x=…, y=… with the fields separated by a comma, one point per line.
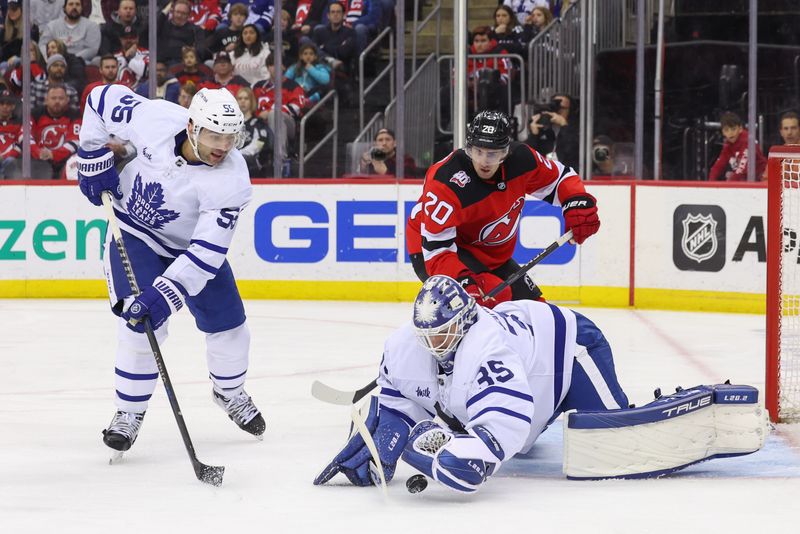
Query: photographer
x=382, y=157
x=552, y=133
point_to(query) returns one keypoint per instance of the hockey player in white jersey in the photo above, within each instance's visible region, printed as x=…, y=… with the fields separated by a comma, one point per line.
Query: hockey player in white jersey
x=177, y=204
x=499, y=377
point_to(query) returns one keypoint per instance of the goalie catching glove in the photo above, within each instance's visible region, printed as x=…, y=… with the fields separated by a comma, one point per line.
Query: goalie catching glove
x=580, y=216
x=389, y=431
x=461, y=462
x=158, y=301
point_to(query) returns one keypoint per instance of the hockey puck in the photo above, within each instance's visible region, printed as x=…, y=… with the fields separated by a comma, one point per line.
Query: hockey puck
x=416, y=484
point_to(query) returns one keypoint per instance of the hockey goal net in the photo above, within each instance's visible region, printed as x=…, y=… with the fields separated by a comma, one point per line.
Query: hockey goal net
x=783, y=284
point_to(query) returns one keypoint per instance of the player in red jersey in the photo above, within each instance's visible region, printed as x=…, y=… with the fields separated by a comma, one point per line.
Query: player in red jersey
x=466, y=222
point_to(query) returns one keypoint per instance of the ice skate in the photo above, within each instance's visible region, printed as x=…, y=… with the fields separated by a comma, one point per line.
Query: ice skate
x=122, y=432
x=243, y=412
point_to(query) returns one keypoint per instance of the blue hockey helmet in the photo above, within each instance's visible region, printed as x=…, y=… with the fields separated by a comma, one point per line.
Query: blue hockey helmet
x=443, y=313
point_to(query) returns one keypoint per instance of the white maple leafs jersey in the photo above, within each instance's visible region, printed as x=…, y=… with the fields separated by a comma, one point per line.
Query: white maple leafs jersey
x=180, y=210
x=512, y=370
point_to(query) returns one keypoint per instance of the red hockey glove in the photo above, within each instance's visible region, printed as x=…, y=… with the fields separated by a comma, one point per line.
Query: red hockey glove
x=480, y=284
x=580, y=216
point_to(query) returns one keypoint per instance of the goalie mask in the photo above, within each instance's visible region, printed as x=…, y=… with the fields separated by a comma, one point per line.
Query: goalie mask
x=443, y=312
x=216, y=125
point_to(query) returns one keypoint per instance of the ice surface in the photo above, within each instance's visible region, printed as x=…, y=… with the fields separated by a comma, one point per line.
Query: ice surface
x=57, y=366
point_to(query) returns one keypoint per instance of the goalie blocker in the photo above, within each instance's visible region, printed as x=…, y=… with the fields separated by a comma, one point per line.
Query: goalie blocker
x=669, y=434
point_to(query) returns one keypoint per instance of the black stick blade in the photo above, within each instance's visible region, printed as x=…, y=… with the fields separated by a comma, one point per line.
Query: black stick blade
x=210, y=474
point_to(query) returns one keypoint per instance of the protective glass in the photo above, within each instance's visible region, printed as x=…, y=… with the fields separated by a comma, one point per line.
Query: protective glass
x=442, y=341
x=486, y=156
x=217, y=141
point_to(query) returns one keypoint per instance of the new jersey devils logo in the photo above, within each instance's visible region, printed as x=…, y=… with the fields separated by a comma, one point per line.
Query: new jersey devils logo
x=504, y=228
x=53, y=136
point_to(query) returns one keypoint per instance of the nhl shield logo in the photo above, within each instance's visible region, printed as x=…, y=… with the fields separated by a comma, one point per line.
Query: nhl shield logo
x=699, y=240
x=698, y=237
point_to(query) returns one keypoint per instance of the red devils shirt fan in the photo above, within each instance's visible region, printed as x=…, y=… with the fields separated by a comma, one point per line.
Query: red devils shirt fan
x=466, y=223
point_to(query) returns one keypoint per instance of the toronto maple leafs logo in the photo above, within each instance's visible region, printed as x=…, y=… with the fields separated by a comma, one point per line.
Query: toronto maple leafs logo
x=144, y=204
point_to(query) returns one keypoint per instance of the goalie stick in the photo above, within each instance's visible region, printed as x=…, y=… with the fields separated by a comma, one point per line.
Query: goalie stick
x=209, y=474
x=326, y=393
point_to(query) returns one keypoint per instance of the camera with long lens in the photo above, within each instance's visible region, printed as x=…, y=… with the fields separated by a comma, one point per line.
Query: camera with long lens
x=377, y=154
x=554, y=106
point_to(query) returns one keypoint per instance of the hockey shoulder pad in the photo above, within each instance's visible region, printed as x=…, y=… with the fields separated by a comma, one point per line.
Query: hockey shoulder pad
x=667, y=435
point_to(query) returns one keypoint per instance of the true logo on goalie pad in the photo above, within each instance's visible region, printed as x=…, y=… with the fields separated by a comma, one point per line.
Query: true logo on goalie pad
x=687, y=407
x=698, y=233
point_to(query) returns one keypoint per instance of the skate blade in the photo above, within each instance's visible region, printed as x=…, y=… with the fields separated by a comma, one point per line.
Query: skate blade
x=116, y=458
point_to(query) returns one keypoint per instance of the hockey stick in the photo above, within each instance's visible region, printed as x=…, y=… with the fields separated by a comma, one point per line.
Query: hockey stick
x=331, y=395
x=205, y=473
x=376, y=467
x=528, y=266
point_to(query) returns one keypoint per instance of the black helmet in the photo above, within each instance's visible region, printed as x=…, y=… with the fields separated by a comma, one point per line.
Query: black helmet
x=489, y=129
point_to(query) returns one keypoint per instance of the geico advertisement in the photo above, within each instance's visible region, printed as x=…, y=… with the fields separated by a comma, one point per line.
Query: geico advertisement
x=701, y=238
x=333, y=231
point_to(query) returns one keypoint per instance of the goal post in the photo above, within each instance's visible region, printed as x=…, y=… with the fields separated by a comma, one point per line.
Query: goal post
x=783, y=284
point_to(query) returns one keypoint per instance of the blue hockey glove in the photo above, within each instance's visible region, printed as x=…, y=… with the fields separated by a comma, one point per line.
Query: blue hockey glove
x=390, y=433
x=96, y=173
x=158, y=301
x=461, y=462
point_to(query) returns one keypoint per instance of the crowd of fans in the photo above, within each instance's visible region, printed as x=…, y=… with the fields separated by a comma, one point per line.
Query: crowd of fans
x=77, y=45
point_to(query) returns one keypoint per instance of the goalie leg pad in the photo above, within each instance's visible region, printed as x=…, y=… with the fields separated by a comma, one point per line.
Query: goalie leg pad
x=666, y=435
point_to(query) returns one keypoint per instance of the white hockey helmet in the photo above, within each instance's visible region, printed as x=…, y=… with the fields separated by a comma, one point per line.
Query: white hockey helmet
x=215, y=110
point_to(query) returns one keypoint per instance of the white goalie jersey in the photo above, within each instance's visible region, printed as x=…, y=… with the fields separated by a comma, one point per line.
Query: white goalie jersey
x=512, y=370
x=181, y=210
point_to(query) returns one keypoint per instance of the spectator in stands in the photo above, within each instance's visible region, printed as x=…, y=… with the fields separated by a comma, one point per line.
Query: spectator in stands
x=176, y=31
x=250, y=56
x=337, y=42
x=257, y=135
x=186, y=93
x=190, y=68
x=364, y=16
x=76, y=67
x=38, y=69
x=490, y=75
x=558, y=7
x=537, y=21
x=132, y=58
x=54, y=134
x=381, y=159
x=109, y=70
x=509, y=34
x=227, y=35
x=312, y=75
x=554, y=132
x=206, y=14
x=290, y=37
x=731, y=165
x=12, y=32
x=523, y=8
x=10, y=134
x=309, y=14
x=259, y=12
x=56, y=70
x=167, y=87
x=224, y=75
x=123, y=20
x=44, y=11
x=294, y=103
x=790, y=128
x=81, y=35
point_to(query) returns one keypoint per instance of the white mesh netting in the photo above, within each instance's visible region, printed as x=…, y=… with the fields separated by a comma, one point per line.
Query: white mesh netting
x=789, y=361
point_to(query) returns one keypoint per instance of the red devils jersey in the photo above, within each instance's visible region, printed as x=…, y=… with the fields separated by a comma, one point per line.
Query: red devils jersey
x=59, y=135
x=293, y=95
x=10, y=136
x=459, y=210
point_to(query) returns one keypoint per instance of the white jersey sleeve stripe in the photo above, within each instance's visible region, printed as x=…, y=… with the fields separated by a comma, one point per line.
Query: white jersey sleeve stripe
x=409, y=421
x=200, y=263
x=560, y=330
x=500, y=390
x=597, y=380
x=392, y=393
x=209, y=246
x=504, y=411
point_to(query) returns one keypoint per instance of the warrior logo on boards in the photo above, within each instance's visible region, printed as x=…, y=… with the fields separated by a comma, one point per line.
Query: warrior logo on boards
x=698, y=234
